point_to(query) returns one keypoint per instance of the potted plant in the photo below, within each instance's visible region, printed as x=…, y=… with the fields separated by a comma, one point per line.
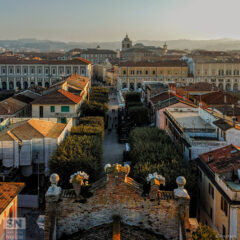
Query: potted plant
x=78, y=179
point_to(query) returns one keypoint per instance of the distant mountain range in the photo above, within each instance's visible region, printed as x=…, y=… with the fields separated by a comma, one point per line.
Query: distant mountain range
x=46, y=45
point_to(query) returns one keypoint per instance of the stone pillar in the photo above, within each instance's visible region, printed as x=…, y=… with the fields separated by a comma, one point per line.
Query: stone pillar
x=183, y=199
x=14, y=83
x=7, y=83
x=22, y=83
x=52, y=197
x=155, y=180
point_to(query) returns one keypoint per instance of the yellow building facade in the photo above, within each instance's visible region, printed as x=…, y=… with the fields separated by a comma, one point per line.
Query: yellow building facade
x=219, y=192
x=225, y=75
x=134, y=75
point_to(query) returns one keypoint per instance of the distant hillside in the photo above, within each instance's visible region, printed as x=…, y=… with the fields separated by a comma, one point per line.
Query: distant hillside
x=46, y=45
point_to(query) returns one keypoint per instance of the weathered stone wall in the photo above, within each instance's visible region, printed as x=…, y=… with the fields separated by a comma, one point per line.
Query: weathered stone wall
x=161, y=212
x=159, y=215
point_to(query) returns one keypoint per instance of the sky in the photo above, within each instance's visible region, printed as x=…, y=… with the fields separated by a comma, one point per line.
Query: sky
x=110, y=20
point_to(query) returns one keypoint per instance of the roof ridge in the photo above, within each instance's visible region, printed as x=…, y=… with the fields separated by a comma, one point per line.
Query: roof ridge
x=14, y=137
x=28, y=122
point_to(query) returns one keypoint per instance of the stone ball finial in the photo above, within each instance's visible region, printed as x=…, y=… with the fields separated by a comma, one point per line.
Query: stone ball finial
x=54, y=178
x=181, y=182
x=180, y=192
x=107, y=166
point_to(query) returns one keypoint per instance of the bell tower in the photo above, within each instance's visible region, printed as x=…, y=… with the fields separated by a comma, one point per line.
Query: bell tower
x=126, y=43
x=165, y=48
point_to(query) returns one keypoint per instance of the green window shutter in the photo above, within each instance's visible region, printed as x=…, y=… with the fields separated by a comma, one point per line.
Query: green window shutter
x=52, y=108
x=64, y=108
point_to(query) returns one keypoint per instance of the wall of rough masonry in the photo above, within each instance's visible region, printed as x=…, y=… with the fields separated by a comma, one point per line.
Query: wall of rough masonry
x=123, y=198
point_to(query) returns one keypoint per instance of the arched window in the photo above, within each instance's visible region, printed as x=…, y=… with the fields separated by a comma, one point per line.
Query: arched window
x=25, y=85
x=228, y=87
x=11, y=85
x=4, y=85
x=47, y=84
x=131, y=86
x=18, y=85
x=124, y=85
x=220, y=85
x=139, y=85
x=235, y=87
x=39, y=83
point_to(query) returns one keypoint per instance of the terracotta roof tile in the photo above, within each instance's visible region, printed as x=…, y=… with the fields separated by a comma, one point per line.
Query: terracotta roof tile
x=58, y=97
x=222, y=160
x=77, y=61
x=30, y=129
x=10, y=106
x=8, y=191
x=218, y=98
x=76, y=99
x=161, y=97
x=77, y=81
x=154, y=64
x=201, y=86
x=47, y=128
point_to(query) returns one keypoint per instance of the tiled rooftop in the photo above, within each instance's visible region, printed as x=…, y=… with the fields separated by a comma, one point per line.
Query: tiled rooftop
x=217, y=98
x=30, y=129
x=8, y=191
x=11, y=106
x=201, y=86
x=58, y=97
x=77, y=81
x=77, y=61
x=154, y=64
x=222, y=160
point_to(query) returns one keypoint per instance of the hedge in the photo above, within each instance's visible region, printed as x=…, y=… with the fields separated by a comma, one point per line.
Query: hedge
x=92, y=108
x=152, y=151
x=134, y=104
x=89, y=130
x=77, y=153
x=92, y=121
x=99, y=94
x=139, y=115
x=133, y=97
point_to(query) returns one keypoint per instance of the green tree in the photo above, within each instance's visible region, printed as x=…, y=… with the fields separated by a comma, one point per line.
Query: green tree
x=139, y=115
x=77, y=153
x=89, y=130
x=132, y=97
x=152, y=151
x=204, y=232
x=92, y=108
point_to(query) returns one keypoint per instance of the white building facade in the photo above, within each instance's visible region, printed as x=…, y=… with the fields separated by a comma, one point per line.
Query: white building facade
x=23, y=74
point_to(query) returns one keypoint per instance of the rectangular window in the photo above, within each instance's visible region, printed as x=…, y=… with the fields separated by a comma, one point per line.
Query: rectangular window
x=223, y=232
x=64, y=108
x=211, y=190
x=52, y=108
x=224, y=206
x=211, y=213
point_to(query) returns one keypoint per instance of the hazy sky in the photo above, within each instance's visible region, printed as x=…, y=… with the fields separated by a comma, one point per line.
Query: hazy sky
x=109, y=20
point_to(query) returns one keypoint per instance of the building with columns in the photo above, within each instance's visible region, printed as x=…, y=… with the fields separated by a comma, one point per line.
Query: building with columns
x=222, y=71
x=134, y=75
x=22, y=74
